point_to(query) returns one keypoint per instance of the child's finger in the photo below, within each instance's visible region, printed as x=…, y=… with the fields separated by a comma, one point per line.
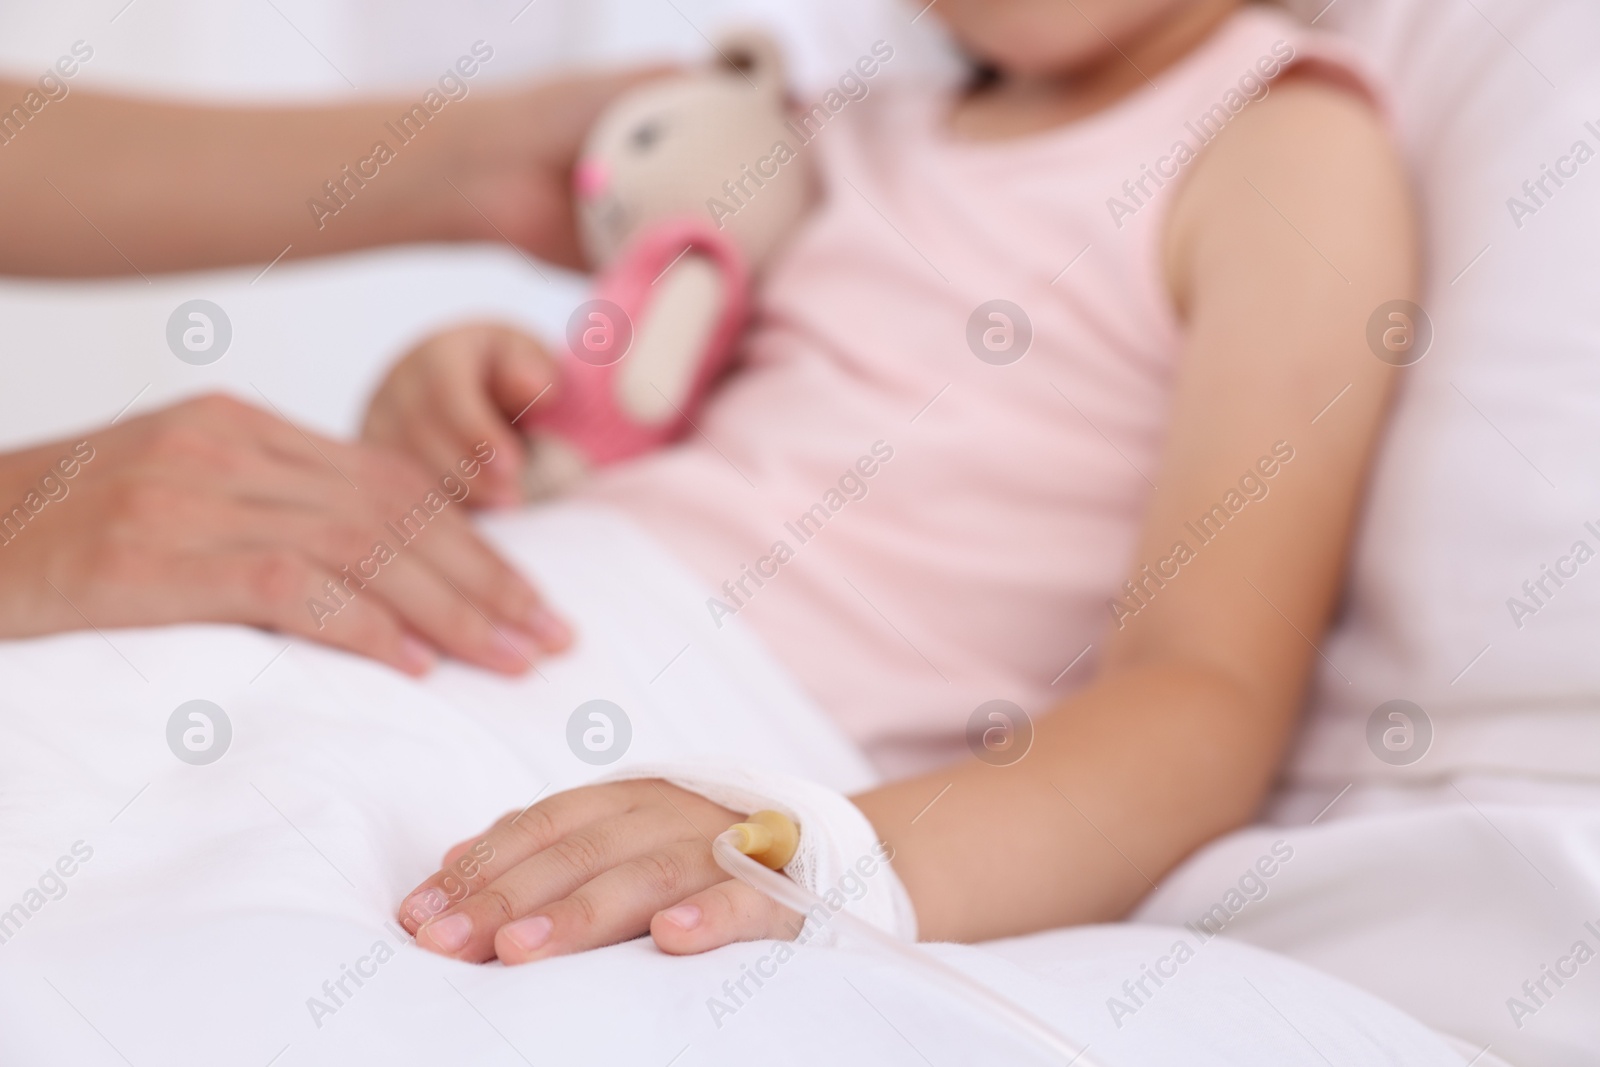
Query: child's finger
x=457, y=850
x=727, y=912
x=517, y=376
x=589, y=855
x=441, y=448
x=520, y=374
x=407, y=419
x=465, y=414
x=230, y=580
x=615, y=905
x=515, y=837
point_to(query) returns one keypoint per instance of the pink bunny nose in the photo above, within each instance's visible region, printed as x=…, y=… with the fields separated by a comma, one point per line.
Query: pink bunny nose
x=591, y=178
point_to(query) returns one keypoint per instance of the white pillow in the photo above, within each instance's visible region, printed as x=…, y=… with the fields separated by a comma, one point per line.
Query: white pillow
x=1489, y=469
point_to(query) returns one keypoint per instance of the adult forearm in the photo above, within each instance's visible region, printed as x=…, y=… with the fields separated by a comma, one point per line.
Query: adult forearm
x=21, y=470
x=1122, y=782
x=100, y=184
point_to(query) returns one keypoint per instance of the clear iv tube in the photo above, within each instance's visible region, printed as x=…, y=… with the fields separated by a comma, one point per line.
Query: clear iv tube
x=792, y=895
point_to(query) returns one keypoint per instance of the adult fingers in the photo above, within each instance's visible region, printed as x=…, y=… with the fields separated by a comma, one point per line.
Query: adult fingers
x=424, y=514
x=727, y=912
x=440, y=580
x=161, y=552
x=437, y=609
x=277, y=590
x=450, y=548
x=219, y=476
x=613, y=906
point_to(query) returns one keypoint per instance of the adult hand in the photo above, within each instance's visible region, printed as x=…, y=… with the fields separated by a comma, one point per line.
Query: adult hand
x=592, y=867
x=457, y=388
x=509, y=162
x=214, y=511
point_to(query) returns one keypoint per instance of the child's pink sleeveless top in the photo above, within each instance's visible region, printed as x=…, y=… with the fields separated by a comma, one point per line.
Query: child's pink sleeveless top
x=919, y=505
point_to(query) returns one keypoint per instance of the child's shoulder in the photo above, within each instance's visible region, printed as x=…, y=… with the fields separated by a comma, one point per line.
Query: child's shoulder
x=1311, y=167
x=1310, y=128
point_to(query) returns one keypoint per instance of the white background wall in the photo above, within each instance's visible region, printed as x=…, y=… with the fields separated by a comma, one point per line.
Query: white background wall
x=319, y=48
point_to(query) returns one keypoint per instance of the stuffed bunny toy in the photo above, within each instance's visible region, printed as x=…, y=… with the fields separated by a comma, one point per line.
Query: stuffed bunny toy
x=686, y=187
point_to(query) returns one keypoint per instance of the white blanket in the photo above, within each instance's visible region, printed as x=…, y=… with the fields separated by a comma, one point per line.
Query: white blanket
x=223, y=913
x=1474, y=903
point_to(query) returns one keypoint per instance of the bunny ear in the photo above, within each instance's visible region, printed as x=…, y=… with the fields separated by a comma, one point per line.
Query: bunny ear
x=755, y=56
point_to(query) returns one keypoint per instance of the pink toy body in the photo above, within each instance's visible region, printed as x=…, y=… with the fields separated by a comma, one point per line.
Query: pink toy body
x=590, y=411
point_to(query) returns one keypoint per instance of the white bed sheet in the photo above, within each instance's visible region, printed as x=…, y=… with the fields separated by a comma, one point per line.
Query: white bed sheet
x=215, y=900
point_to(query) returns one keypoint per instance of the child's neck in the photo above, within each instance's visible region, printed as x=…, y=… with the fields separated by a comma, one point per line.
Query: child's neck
x=1018, y=104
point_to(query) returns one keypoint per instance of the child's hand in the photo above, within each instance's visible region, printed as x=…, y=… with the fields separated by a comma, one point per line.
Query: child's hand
x=587, y=868
x=457, y=388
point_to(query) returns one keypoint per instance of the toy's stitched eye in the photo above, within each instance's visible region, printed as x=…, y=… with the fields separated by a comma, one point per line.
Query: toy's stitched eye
x=645, y=135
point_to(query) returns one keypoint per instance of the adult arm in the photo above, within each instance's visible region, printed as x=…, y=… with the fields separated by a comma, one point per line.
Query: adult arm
x=98, y=184
x=1294, y=227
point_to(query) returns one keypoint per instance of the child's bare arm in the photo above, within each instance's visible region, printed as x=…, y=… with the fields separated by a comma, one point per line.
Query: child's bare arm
x=1293, y=229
